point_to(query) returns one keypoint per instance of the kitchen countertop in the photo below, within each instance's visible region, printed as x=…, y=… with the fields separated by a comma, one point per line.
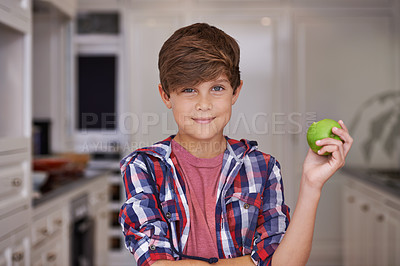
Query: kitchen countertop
x=88, y=176
x=386, y=180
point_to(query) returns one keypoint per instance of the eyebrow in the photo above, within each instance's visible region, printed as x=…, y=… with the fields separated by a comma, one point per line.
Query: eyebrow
x=220, y=81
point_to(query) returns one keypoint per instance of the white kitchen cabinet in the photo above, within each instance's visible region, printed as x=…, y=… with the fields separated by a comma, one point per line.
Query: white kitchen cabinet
x=52, y=222
x=100, y=237
x=15, y=249
x=15, y=131
x=99, y=210
x=67, y=7
x=371, y=226
x=16, y=14
x=49, y=254
x=49, y=235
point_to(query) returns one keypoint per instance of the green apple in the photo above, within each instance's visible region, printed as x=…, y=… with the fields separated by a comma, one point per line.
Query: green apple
x=321, y=130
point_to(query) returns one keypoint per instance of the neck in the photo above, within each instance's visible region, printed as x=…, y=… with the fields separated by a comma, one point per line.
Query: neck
x=202, y=148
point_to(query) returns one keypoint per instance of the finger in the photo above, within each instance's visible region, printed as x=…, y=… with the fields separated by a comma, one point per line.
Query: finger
x=331, y=148
x=328, y=141
x=336, y=152
x=342, y=133
x=345, y=136
x=341, y=123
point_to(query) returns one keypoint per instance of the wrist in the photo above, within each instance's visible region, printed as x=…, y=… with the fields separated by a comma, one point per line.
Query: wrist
x=311, y=183
x=309, y=188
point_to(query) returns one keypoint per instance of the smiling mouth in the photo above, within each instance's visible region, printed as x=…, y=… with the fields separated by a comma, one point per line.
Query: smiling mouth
x=203, y=120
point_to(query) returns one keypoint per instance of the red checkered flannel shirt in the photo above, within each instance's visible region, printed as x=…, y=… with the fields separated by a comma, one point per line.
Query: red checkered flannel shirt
x=251, y=216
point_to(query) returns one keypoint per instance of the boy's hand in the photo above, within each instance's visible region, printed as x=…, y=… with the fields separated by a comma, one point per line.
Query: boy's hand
x=317, y=169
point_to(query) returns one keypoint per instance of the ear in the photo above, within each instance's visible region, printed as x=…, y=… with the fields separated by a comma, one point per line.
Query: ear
x=237, y=92
x=164, y=97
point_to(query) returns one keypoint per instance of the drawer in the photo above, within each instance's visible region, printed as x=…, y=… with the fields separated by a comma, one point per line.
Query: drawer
x=53, y=255
x=14, y=250
x=13, y=217
x=56, y=222
x=48, y=254
x=19, y=253
x=40, y=230
x=14, y=182
x=13, y=150
x=47, y=224
x=99, y=197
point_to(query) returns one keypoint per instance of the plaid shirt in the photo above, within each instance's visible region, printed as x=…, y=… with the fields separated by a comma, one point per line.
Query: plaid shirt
x=251, y=216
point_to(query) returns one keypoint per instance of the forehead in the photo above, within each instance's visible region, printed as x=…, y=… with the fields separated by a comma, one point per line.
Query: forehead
x=219, y=79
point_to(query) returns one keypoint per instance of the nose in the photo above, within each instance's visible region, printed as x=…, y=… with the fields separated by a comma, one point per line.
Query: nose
x=203, y=103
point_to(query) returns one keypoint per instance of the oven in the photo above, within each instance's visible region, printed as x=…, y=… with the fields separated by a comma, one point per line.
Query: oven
x=82, y=233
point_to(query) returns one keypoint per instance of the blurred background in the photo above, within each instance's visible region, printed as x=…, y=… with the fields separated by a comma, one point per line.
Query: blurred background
x=78, y=91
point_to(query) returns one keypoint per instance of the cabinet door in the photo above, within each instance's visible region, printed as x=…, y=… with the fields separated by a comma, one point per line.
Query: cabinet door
x=48, y=253
x=359, y=229
x=19, y=255
x=393, y=238
x=101, y=237
x=371, y=228
x=13, y=181
x=3, y=261
x=350, y=228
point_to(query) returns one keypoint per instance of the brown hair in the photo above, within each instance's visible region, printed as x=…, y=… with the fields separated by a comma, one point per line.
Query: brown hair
x=198, y=53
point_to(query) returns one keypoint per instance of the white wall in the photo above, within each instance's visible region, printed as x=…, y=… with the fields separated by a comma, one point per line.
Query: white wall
x=341, y=60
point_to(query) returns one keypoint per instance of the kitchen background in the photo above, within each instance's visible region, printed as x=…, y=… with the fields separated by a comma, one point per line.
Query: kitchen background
x=78, y=91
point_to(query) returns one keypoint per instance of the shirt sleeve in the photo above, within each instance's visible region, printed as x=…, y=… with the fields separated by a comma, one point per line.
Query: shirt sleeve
x=146, y=231
x=273, y=220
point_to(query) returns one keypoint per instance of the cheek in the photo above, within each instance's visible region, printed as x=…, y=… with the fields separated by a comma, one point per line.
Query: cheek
x=181, y=113
x=224, y=106
x=225, y=110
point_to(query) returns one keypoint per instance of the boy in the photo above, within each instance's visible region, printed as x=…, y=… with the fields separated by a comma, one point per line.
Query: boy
x=199, y=194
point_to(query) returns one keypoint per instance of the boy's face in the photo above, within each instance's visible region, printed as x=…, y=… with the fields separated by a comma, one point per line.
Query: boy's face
x=202, y=111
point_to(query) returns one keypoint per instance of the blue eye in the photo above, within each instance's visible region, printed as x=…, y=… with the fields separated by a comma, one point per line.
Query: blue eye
x=218, y=88
x=188, y=90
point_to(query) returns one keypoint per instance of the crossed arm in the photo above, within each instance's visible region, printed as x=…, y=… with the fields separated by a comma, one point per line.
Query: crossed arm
x=298, y=237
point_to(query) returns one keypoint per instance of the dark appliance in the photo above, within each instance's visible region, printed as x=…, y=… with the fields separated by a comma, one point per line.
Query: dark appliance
x=82, y=233
x=41, y=136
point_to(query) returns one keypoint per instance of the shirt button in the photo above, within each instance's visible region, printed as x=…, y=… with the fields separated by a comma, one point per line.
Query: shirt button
x=168, y=215
x=246, y=206
x=152, y=247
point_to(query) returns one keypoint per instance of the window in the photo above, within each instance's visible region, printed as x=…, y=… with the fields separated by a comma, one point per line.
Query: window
x=96, y=92
x=98, y=23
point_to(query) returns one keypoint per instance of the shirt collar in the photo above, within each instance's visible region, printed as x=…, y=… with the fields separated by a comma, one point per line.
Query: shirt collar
x=236, y=148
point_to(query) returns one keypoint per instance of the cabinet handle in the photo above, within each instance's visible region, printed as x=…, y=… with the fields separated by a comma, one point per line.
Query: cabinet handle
x=16, y=182
x=51, y=257
x=58, y=222
x=380, y=218
x=365, y=207
x=17, y=256
x=350, y=199
x=44, y=231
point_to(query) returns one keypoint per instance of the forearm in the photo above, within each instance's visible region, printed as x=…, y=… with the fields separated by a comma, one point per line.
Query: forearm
x=239, y=261
x=180, y=262
x=295, y=246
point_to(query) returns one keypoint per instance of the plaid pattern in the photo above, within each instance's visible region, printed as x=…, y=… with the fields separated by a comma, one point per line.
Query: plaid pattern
x=251, y=216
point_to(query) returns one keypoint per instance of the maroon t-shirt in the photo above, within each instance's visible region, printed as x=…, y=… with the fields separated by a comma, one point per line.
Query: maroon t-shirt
x=201, y=177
